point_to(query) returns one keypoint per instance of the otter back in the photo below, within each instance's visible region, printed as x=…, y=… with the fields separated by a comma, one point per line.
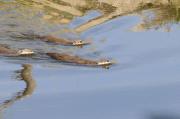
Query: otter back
x=72, y=59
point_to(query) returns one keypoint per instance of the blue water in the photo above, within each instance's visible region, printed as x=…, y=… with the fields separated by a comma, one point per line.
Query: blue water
x=143, y=84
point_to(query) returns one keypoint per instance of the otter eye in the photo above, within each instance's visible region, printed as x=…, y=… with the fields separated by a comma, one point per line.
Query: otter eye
x=108, y=61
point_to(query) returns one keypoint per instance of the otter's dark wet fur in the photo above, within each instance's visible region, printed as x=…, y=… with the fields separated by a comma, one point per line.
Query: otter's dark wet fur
x=72, y=59
x=5, y=50
x=53, y=39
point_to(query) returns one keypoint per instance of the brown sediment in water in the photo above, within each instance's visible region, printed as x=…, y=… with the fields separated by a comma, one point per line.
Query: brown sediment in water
x=77, y=60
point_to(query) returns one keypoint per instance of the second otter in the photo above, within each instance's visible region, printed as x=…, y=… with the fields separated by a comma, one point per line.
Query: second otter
x=78, y=60
x=6, y=51
x=61, y=41
x=52, y=39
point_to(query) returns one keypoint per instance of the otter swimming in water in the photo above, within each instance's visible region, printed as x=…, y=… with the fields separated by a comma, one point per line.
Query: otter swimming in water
x=52, y=39
x=6, y=51
x=61, y=41
x=78, y=60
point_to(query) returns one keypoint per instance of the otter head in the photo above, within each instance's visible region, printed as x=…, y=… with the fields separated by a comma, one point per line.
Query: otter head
x=104, y=63
x=25, y=52
x=78, y=42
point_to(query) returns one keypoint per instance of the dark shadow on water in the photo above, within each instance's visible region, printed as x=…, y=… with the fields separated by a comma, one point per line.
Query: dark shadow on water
x=25, y=75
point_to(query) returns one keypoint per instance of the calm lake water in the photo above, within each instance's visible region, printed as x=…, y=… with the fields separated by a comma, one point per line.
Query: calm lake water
x=143, y=40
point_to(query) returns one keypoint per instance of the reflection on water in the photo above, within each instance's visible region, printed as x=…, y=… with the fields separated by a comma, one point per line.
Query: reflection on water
x=55, y=17
x=63, y=11
x=162, y=17
x=48, y=16
x=25, y=75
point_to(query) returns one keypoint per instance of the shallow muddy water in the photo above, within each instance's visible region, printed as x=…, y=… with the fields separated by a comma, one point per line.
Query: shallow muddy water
x=142, y=39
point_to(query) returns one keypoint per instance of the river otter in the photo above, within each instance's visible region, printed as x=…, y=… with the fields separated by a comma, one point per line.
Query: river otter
x=78, y=60
x=61, y=41
x=6, y=51
x=52, y=39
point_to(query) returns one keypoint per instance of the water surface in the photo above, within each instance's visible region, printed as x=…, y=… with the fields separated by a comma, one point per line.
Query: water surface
x=143, y=39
